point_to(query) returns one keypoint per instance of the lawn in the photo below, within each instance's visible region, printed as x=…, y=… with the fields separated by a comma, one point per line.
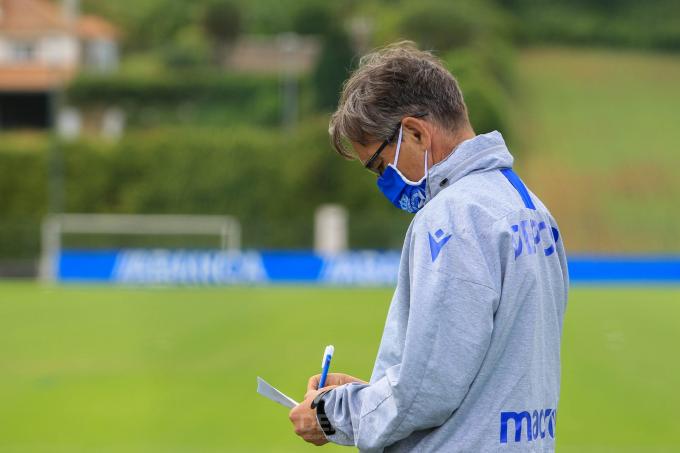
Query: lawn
x=87, y=368
x=597, y=138
x=169, y=370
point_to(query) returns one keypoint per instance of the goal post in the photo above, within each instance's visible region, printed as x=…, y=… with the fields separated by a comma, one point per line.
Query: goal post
x=56, y=225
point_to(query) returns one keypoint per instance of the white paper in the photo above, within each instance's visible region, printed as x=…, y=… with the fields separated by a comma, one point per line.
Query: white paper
x=264, y=389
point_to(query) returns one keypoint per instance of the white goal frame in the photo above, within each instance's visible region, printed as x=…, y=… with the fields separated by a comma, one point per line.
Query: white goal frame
x=56, y=225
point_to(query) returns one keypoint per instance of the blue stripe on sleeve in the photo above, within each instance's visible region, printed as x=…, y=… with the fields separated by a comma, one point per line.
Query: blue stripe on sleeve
x=519, y=187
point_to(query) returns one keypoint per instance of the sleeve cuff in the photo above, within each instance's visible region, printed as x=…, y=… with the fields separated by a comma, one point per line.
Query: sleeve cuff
x=340, y=437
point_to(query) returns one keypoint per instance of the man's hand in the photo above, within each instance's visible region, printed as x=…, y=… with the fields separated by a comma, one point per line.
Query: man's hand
x=304, y=419
x=303, y=416
x=333, y=379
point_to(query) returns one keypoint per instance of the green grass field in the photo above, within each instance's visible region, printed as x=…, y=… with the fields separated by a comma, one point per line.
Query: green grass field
x=170, y=370
x=173, y=370
x=597, y=139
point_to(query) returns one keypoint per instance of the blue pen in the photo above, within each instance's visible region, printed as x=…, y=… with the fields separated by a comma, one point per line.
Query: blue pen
x=326, y=364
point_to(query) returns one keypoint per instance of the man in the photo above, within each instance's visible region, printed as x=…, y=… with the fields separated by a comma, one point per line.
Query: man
x=470, y=356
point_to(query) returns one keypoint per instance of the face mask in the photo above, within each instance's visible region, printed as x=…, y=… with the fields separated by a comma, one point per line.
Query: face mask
x=403, y=193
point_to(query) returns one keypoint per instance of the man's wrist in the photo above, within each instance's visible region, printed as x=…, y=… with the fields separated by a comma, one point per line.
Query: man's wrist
x=320, y=406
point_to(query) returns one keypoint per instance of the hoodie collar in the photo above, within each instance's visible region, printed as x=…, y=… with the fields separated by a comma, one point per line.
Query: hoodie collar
x=483, y=152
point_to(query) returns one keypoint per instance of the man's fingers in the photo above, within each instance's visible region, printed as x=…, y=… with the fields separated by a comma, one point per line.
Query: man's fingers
x=331, y=379
x=313, y=382
x=319, y=441
x=315, y=439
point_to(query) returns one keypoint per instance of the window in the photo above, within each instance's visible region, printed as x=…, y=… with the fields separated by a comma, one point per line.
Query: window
x=23, y=51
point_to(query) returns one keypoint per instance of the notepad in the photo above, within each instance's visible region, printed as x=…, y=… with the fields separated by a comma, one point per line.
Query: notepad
x=265, y=389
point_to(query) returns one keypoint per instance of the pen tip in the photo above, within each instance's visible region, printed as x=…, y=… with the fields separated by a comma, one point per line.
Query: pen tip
x=326, y=352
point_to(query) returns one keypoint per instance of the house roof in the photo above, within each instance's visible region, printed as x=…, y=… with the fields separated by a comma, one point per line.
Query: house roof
x=93, y=27
x=37, y=17
x=32, y=77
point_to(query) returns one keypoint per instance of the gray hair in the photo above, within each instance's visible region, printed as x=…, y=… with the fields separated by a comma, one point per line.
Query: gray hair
x=391, y=83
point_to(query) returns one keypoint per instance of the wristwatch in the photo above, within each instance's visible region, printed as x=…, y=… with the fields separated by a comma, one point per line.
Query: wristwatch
x=319, y=404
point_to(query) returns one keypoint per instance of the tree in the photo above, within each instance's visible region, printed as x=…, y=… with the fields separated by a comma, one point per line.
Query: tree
x=222, y=24
x=332, y=68
x=313, y=19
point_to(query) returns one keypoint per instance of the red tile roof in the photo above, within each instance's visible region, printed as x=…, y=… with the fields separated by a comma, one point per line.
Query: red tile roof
x=32, y=77
x=31, y=17
x=92, y=27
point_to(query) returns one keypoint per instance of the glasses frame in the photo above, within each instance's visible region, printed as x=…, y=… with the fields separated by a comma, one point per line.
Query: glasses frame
x=384, y=144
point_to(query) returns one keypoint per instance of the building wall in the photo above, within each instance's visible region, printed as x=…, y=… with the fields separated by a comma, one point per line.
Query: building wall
x=5, y=50
x=100, y=55
x=59, y=50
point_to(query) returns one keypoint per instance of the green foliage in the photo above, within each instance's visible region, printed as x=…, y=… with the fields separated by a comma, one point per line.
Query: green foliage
x=222, y=20
x=159, y=24
x=485, y=74
x=197, y=141
x=464, y=29
x=649, y=24
x=170, y=88
x=188, y=51
x=206, y=97
x=442, y=26
x=23, y=181
x=314, y=18
x=149, y=24
x=271, y=181
x=269, y=17
x=472, y=39
x=333, y=67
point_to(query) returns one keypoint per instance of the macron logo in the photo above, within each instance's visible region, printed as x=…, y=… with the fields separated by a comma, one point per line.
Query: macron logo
x=537, y=426
x=437, y=244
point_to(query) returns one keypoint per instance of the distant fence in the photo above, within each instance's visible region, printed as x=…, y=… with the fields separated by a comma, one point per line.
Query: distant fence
x=364, y=268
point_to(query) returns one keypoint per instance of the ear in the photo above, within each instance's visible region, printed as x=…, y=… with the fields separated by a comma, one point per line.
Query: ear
x=418, y=130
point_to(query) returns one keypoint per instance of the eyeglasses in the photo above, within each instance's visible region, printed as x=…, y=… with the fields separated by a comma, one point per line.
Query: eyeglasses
x=369, y=163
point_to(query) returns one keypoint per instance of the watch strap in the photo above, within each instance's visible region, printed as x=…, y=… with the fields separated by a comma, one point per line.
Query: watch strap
x=320, y=406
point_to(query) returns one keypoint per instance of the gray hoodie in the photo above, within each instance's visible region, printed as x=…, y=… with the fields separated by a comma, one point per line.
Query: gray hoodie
x=469, y=360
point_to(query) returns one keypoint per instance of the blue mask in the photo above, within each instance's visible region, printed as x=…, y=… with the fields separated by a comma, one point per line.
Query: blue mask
x=403, y=193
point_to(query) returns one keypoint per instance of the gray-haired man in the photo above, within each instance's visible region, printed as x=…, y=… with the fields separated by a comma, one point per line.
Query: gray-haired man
x=470, y=356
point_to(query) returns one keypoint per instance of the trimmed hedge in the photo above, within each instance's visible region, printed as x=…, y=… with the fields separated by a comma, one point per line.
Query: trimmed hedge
x=271, y=181
x=193, y=97
x=171, y=89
